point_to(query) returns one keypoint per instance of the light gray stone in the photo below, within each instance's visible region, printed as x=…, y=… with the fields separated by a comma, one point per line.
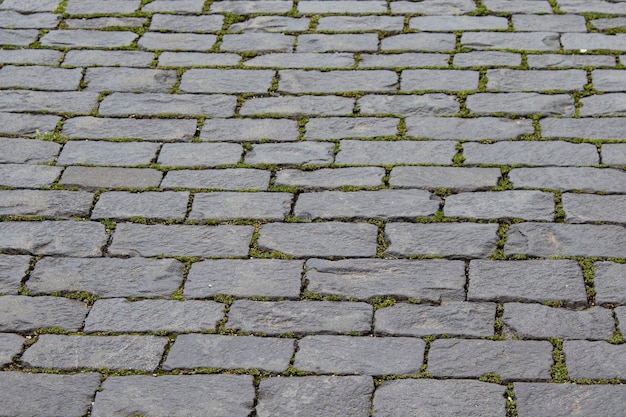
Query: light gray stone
x=302, y=60
x=219, y=179
x=606, y=128
x=342, y=6
x=535, y=41
x=143, y=129
x=614, y=154
x=481, y=128
x=433, y=7
x=576, y=61
x=257, y=42
x=601, y=6
x=531, y=153
x=103, y=22
x=30, y=56
x=395, y=152
x=18, y=37
x=169, y=205
x=566, y=179
x=527, y=205
x=25, y=314
x=101, y=6
x=77, y=38
x=89, y=57
x=519, y=6
x=28, y=175
x=43, y=101
x=129, y=79
x=296, y=153
x=27, y=124
x=104, y=177
x=48, y=204
x=487, y=58
x=593, y=41
x=360, y=23
x=454, y=178
x=298, y=106
x=609, y=80
x=594, y=360
x=245, y=7
x=186, y=23
x=535, y=80
x=159, y=104
x=609, y=282
x=12, y=269
x=521, y=103
x=350, y=127
x=300, y=81
x=96, y=152
x=188, y=6
x=226, y=81
x=40, y=77
x=176, y=41
x=609, y=23
x=582, y=208
x=17, y=20
x=409, y=59
x=235, y=205
x=317, y=42
x=202, y=59
x=458, y=23
x=551, y=23
x=246, y=130
x=331, y=178
x=10, y=345
x=206, y=155
x=31, y=6
x=448, y=80
x=429, y=42
x=272, y=24
x=409, y=105
x=604, y=105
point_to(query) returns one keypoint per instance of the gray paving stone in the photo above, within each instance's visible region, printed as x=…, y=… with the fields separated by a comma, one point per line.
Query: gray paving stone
x=252, y=6
x=531, y=153
x=448, y=80
x=521, y=319
x=577, y=178
x=26, y=314
x=609, y=80
x=549, y=23
x=459, y=23
x=465, y=240
x=231, y=179
x=12, y=270
x=604, y=105
x=229, y=352
x=520, y=6
x=431, y=280
x=27, y=124
x=481, y=128
x=555, y=61
x=96, y=152
x=298, y=106
x=535, y=80
x=452, y=319
x=28, y=176
x=609, y=283
x=188, y=6
x=120, y=315
x=235, y=205
x=272, y=24
x=104, y=22
x=303, y=317
x=605, y=128
x=593, y=41
x=527, y=205
x=331, y=178
x=27, y=151
x=189, y=395
x=486, y=58
x=122, y=104
x=582, y=208
x=360, y=355
x=48, y=204
x=527, y=281
x=438, y=397
x=246, y=130
x=107, y=277
x=350, y=127
x=258, y=42
x=192, y=59
x=44, y=101
x=598, y=6
x=521, y=103
x=614, y=154
x=534, y=41
x=436, y=42
x=182, y=240
x=608, y=23
x=562, y=400
x=113, y=352
x=350, y=6
x=296, y=153
x=409, y=59
x=360, y=23
x=129, y=79
x=409, y=105
x=18, y=37
x=244, y=278
x=30, y=56
x=594, y=360
x=176, y=41
x=101, y=6
x=86, y=57
x=105, y=177
x=40, y=77
x=44, y=394
x=319, y=239
x=433, y=7
x=31, y=6
x=298, y=81
x=315, y=395
x=226, y=81
x=10, y=345
x=510, y=359
x=365, y=42
x=302, y=60
x=83, y=38
x=186, y=23
x=169, y=205
x=544, y=240
x=200, y=154
x=383, y=204
x=144, y=129
x=454, y=178
x=621, y=315
x=17, y=20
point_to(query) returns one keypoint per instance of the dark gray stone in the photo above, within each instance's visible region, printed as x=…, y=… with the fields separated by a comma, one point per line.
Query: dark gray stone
x=430, y=280
x=303, y=317
x=244, y=278
x=527, y=205
x=531, y=153
x=534, y=41
x=181, y=240
x=120, y=315
x=363, y=42
x=594, y=360
x=17, y=20
x=245, y=130
x=186, y=23
x=10, y=345
x=395, y=152
x=605, y=128
x=12, y=269
x=458, y=23
x=26, y=314
x=258, y=42
x=31, y=6
x=30, y=56
x=28, y=175
x=527, y=281
x=509, y=359
x=18, y=37
x=614, y=154
x=609, y=80
x=481, y=128
x=105, y=177
x=604, y=105
x=409, y=105
x=300, y=81
x=143, y=129
x=42, y=101
x=302, y=60
x=433, y=7
x=360, y=23
x=456, y=319
x=86, y=57
x=351, y=127
x=609, y=283
x=153, y=205
x=272, y=24
x=331, y=178
x=582, y=208
x=245, y=7
x=176, y=41
x=222, y=179
x=349, y=6
x=81, y=38
x=521, y=103
x=129, y=79
x=206, y=155
x=448, y=80
x=27, y=151
x=565, y=61
x=188, y=395
x=49, y=204
x=98, y=6
x=126, y=104
x=319, y=239
x=593, y=41
x=235, y=205
x=104, y=22
x=27, y=124
x=297, y=153
x=107, y=277
x=229, y=352
x=435, y=42
x=226, y=81
x=550, y=23
x=566, y=179
x=40, y=77
x=409, y=59
x=112, y=352
x=535, y=80
x=192, y=59
x=360, y=355
x=96, y=152
x=298, y=106
x=487, y=58
x=188, y=6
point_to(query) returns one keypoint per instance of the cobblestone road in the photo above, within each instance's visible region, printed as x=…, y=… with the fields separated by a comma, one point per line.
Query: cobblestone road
x=312, y=208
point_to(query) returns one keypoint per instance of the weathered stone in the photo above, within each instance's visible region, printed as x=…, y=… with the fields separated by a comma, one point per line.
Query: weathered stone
x=454, y=178
x=319, y=239
x=598, y=6
x=113, y=352
x=18, y=37
x=104, y=22
x=604, y=105
x=186, y=23
x=88, y=38
x=621, y=315
x=43, y=101
x=458, y=23
x=26, y=314
x=153, y=205
x=593, y=41
x=300, y=81
x=272, y=24
x=27, y=124
x=188, y=6
x=28, y=175
x=258, y=42
x=143, y=129
x=527, y=205
x=408, y=105
x=30, y=56
x=12, y=269
x=104, y=177
x=535, y=41
x=456, y=319
x=409, y=59
x=120, y=315
x=343, y=6
x=31, y=6
x=96, y=152
x=252, y=6
x=395, y=152
x=244, y=278
x=226, y=81
x=576, y=61
x=298, y=106
x=87, y=57
x=17, y=20
x=431, y=280
x=435, y=42
x=609, y=23
x=317, y=42
x=350, y=127
x=40, y=77
x=331, y=178
x=519, y=6
x=594, y=360
x=481, y=128
x=129, y=79
x=486, y=58
x=125, y=104
x=609, y=282
x=220, y=179
x=586, y=179
x=98, y=6
x=448, y=80
x=360, y=23
x=192, y=59
x=521, y=103
x=206, y=155
x=176, y=41
x=229, y=352
x=531, y=153
x=550, y=23
x=234, y=205
x=535, y=80
x=302, y=60
x=303, y=317
x=582, y=208
x=181, y=240
x=614, y=154
x=48, y=204
x=10, y=345
x=245, y=130
x=433, y=7
x=609, y=80
x=297, y=153
x=605, y=128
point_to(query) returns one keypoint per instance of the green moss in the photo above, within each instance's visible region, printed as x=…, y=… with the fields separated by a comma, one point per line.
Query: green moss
x=382, y=302
x=559, y=370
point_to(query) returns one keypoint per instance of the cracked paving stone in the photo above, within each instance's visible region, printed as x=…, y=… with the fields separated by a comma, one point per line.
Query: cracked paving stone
x=12, y=269
x=25, y=314
x=10, y=345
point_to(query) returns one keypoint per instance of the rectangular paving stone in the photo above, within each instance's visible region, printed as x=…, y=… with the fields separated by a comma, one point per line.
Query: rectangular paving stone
x=66, y=238
x=24, y=394
x=48, y=204
x=447, y=80
x=95, y=152
x=614, y=154
x=231, y=179
x=105, y=177
x=129, y=79
x=331, y=178
x=295, y=153
x=28, y=175
x=458, y=23
x=176, y=41
x=550, y=23
x=454, y=178
x=251, y=6
x=430, y=280
x=565, y=61
x=82, y=38
x=536, y=281
x=27, y=151
x=247, y=130
x=608, y=80
x=169, y=205
x=527, y=205
x=453, y=319
x=27, y=124
x=226, y=81
x=430, y=42
x=87, y=58
x=189, y=6
x=376, y=152
x=185, y=23
x=230, y=352
x=317, y=42
x=180, y=240
x=487, y=58
x=126, y=104
x=620, y=313
x=298, y=81
x=12, y=269
x=31, y=5
x=481, y=128
x=535, y=80
x=30, y=56
x=144, y=129
x=107, y=277
x=350, y=127
x=521, y=103
x=608, y=23
x=594, y=360
x=521, y=319
x=190, y=395
x=354, y=6
x=544, y=240
x=301, y=317
x=409, y=105
x=409, y=59
x=206, y=155
x=319, y=239
x=433, y=7
x=360, y=355
x=244, y=278
x=598, y=6
x=101, y=6
x=570, y=178
x=10, y=345
x=605, y=129
x=272, y=24
x=302, y=60
x=40, y=77
x=582, y=208
x=298, y=106
x=104, y=22
x=531, y=153
x=359, y=23
x=17, y=20
x=235, y=205
x=95, y=352
x=257, y=42
x=18, y=37
x=437, y=397
x=26, y=314
x=120, y=315
x=510, y=359
x=612, y=104
x=533, y=41
x=192, y=59
x=593, y=41
x=382, y=204
x=465, y=240
x=609, y=281
x=54, y=102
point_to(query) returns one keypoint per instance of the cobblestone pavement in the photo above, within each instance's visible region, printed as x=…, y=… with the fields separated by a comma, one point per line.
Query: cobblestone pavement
x=312, y=208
